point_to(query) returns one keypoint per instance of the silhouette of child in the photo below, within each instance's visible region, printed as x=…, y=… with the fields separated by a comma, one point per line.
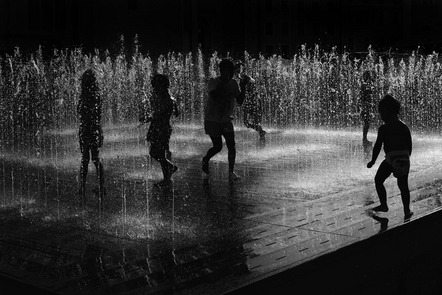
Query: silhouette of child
x=252, y=107
x=160, y=130
x=90, y=131
x=218, y=116
x=396, y=138
x=366, y=104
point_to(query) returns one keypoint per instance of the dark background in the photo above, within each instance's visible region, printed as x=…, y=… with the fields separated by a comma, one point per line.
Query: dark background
x=258, y=26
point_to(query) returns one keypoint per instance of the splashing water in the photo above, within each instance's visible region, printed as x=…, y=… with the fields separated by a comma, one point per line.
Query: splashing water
x=311, y=113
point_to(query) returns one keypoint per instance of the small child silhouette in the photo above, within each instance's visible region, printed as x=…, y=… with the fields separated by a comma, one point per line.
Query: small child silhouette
x=366, y=104
x=160, y=130
x=396, y=138
x=252, y=105
x=90, y=131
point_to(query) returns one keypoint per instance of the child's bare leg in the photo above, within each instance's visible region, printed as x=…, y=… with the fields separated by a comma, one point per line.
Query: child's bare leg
x=366, y=126
x=402, y=183
x=83, y=176
x=83, y=171
x=217, y=143
x=159, y=154
x=382, y=174
x=254, y=123
x=365, y=132
x=168, y=169
x=260, y=131
x=100, y=176
x=231, y=154
x=99, y=168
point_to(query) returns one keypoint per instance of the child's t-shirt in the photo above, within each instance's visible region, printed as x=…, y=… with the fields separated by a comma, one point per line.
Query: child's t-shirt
x=90, y=113
x=221, y=110
x=366, y=99
x=162, y=106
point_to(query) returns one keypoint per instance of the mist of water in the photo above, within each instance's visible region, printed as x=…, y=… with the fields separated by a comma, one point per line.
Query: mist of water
x=304, y=98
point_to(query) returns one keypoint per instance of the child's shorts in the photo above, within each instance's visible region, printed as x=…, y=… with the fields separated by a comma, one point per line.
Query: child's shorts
x=90, y=138
x=399, y=161
x=217, y=128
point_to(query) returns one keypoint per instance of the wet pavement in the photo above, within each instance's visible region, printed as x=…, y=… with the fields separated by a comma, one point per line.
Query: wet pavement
x=303, y=193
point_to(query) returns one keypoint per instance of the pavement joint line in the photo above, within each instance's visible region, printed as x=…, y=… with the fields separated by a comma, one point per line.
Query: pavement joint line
x=306, y=229
x=272, y=213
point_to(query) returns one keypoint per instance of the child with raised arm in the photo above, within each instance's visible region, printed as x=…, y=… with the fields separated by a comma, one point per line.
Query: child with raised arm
x=160, y=130
x=396, y=138
x=90, y=131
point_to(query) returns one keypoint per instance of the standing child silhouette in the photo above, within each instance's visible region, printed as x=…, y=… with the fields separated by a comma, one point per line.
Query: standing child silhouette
x=366, y=104
x=90, y=131
x=396, y=138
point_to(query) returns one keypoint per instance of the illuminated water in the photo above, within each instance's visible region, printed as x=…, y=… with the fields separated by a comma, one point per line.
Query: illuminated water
x=301, y=165
x=311, y=164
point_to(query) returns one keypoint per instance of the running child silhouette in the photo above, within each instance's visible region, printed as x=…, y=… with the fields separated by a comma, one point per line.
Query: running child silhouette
x=395, y=136
x=218, y=115
x=90, y=131
x=160, y=130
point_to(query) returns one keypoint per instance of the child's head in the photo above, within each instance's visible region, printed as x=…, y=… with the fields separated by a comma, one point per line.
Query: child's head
x=89, y=86
x=226, y=68
x=159, y=82
x=388, y=107
x=366, y=76
x=88, y=79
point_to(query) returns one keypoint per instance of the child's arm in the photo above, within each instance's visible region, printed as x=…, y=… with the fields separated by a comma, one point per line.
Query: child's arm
x=99, y=106
x=242, y=88
x=409, y=141
x=79, y=106
x=176, y=111
x=377, y=147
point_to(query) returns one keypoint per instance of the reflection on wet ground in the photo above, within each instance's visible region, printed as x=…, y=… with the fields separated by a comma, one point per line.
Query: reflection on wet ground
x=303, y=193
